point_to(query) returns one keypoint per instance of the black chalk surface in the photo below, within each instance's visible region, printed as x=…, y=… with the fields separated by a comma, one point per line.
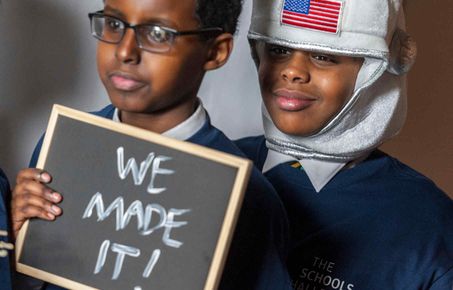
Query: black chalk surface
x=140, y=211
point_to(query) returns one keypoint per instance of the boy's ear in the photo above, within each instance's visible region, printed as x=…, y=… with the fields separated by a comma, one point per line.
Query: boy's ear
x=219, y=51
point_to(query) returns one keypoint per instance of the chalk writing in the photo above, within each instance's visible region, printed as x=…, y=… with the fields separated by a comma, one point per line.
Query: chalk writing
x=138, y=175
x=123, y=251
x=143, y=216
x=152, y=262
x=148, y=218
x=102, y=256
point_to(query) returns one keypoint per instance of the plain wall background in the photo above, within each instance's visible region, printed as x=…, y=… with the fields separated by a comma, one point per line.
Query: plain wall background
x=47, y=56
x=426, y=142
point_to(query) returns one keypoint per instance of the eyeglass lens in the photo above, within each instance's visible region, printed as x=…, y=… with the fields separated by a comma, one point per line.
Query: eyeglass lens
x=150, y=37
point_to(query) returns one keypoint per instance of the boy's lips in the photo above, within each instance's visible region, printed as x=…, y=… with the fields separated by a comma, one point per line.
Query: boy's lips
x=125, y=82
x=290, y=100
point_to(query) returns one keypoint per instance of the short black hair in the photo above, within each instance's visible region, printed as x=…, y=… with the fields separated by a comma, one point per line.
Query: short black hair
x=219, y=13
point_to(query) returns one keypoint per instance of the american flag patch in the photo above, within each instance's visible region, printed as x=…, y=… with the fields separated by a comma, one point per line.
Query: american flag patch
x=320, y=15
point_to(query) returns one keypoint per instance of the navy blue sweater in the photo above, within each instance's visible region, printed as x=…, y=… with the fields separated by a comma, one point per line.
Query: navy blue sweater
x=259, y=247
x=5, y=267
x=378, y=225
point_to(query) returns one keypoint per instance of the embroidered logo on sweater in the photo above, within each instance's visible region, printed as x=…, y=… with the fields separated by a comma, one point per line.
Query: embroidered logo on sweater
x=320, y=275
x=318, y=15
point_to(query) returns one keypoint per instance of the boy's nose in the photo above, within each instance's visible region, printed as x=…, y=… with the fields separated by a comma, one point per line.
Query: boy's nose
x=127, y=50
x=296, y=70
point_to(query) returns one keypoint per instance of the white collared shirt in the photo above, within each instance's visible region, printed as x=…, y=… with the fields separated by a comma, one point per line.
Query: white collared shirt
x=319, y=172
x=184, y=130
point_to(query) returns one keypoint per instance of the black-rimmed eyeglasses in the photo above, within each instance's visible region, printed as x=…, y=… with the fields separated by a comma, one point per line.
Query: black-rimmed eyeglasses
x=149, y=37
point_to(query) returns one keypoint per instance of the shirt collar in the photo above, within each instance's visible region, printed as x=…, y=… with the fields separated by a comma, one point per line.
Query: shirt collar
x=184, y=130
x=318, y=171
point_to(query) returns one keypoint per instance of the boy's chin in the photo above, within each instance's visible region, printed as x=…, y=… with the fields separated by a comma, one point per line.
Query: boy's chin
x=128, y=106
x=296, y=130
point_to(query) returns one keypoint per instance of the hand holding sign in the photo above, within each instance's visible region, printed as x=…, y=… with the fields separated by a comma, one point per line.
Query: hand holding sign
x=32, y=198
x=140, y=211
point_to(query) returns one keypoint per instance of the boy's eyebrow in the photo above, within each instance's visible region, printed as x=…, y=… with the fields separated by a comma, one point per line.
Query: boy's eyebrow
x=113, y=11
x=159, y=21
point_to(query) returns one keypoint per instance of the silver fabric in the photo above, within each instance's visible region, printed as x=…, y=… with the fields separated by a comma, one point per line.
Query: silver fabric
x=377, y=109
x=364, y=26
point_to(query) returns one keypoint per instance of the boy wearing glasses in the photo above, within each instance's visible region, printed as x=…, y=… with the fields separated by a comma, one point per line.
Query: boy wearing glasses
x=151, y=57
x=332, y=79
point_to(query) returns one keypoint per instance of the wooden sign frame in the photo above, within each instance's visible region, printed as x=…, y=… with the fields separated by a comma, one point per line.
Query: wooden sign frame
x=233, y=207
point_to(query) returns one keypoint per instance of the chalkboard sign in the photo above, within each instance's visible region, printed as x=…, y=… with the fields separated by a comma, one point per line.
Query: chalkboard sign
x=140, y=211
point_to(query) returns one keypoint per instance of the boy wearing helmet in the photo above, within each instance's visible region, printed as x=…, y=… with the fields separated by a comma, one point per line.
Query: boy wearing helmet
x=332, y=78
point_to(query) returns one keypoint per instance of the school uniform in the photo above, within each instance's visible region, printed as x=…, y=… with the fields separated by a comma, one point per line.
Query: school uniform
x=258, y=251
x=5, y=245
x=377, y=225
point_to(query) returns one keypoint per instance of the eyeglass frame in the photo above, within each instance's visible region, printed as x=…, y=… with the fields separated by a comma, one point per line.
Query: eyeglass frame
x=174, y=32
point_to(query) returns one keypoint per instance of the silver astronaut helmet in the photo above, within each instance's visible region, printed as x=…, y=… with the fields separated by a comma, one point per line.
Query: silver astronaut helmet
x=372, y=29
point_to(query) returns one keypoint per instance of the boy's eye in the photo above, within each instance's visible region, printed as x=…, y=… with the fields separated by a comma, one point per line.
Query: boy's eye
x=325, y=58
x=157, y=35
x=278, y=50
x=113, y=24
